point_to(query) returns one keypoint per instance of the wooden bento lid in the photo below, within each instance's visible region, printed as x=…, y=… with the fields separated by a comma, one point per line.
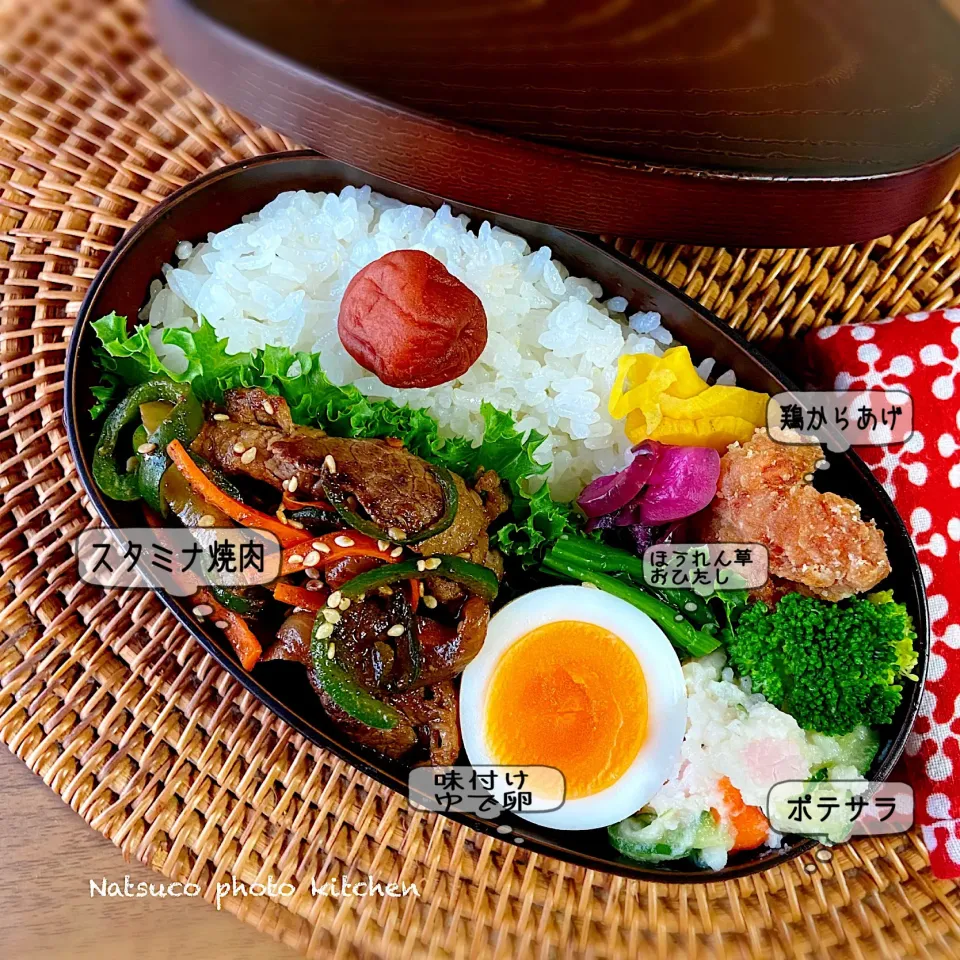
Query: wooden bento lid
x=795, y=123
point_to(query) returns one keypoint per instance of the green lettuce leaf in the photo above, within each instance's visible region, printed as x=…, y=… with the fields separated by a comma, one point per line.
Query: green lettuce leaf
x=128, y=357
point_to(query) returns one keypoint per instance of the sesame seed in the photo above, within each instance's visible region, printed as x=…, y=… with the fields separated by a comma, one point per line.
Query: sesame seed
x=292, y=484
x=396, y=552
x=345, y=603
x=314, y=584
x=590, y=586
x=430, y=602
x=386, y=591
x=465, y=555
x=202, y=610
x=382, y=545
x=322, y=547
x=207, y=520
x=146, y=447
x=432, y=563
x=396, y=630
x=314, y=574
x=396, y=533
x=132, y=463
x=268, y=408
x=324, y=630
x=238, y=447
x=331, y=616
x=249, y=456
x=334, y=598
x=312, y=558
x=222, y=417
x=296, y=524
x=221, y=624
x=296, y=558
x=331, y=650
x=423, y=588
x=285, y=484
x=343, y=542
x=421, y=566
x=330, y=464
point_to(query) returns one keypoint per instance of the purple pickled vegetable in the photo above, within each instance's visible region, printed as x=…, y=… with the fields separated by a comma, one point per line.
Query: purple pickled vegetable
x=608, y=494
x=629, y=515
x=683, y=481
x=607, y=522
x=643, y=537
x=661, y=486
x=675, y=531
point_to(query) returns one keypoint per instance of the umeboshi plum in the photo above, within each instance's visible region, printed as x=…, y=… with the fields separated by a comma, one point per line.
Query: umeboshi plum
x=407, y=319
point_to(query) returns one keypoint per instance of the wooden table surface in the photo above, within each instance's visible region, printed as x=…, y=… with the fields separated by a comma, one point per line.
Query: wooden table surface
x=50, y=856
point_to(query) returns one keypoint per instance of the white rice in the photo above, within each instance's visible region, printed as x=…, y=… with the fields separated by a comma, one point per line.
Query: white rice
x=552, y=348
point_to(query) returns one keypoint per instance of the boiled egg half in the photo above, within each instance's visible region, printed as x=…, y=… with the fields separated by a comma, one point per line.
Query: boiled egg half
x=576, y=679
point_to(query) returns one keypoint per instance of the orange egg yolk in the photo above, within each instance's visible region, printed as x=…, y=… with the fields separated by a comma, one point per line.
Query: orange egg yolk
x=570, y=695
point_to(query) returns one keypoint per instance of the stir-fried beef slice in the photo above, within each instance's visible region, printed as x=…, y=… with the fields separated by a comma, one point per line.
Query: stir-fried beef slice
x=293, y=640
x=496, y=500
x=470, y=521
x=450, y=592
x=447, y=651
x=293, y=644
x=394, y=487
x=467, y=536
x=391, y=743
x=224, y=443
x=432, y=710
x=346, y=568
x=253, y=406
x=364, y=625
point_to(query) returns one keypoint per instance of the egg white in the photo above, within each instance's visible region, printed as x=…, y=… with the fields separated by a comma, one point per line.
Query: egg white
x=659, y=756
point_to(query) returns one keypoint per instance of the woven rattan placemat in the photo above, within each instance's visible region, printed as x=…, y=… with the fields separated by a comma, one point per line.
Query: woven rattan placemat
x=157, y=748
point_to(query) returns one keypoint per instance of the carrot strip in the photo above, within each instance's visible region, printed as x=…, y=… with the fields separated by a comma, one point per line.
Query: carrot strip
x=750, y=827
x=291, y=503
x=292, y=558
x=242, y=639
x=208, y=491
x=300, y=596
x=432, y=634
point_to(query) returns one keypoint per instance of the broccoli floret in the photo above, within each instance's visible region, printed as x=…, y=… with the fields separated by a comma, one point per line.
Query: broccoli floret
x=832, y=666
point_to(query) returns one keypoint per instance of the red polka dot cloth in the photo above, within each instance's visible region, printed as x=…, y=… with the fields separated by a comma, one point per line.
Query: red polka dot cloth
x=919, y=353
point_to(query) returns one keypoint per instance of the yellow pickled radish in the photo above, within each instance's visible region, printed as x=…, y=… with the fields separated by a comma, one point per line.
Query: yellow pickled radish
x=715, y=432
x=689, y=383
x=666, y=399
x=717, y=401
x=644, y=399
x=633, y=369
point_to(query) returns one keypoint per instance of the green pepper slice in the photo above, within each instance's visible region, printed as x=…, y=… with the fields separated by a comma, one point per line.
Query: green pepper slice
x=315, y=519
x=108, y=478
x=243, y=603
x=183, y=423
x=344, y=691
x=477, y=579
x=139, y=436
x=408, y=657
x=338, y=500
